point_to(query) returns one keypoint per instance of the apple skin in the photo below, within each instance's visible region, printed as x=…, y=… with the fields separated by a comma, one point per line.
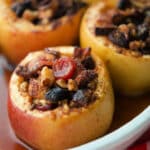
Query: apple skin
x=19, y=37
x=130, y=74
x=41, y=131
x=112, y=2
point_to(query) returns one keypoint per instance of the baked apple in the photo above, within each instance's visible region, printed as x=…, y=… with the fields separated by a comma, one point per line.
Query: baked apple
x=60, y=98
x=112, y=2
x=121, y=37
x=28, y=25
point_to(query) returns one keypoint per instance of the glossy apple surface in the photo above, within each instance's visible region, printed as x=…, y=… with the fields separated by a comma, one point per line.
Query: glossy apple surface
x=130, y=73
x=51, y=130
x=19, y=36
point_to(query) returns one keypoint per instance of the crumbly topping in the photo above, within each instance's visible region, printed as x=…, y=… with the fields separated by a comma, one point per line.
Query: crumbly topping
x=53, y=81
x=128, y=26
x=43, y=11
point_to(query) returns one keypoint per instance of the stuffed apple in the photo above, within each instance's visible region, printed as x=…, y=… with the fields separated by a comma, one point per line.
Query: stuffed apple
x=121, y=37
x=60, y=98
x=28, y=25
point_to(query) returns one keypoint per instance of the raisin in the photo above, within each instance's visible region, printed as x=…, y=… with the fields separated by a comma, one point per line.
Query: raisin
x=36, y=21
x=103, y=30
x=44, y=107
x=118, y=38
x=19, y=7
x=137, y=17
x=85, y=77
x=123, y=4
x=118, y=19
x=81, y=98
x=57, y=94
x=147, y=11
x=88, y=63
x=146, y=49
x=143, y=31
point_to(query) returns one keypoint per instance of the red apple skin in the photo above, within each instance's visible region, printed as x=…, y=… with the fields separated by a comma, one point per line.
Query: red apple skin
x=46, y=133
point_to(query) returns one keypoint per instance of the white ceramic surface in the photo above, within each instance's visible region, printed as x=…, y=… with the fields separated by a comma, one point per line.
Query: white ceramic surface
x=121, y=138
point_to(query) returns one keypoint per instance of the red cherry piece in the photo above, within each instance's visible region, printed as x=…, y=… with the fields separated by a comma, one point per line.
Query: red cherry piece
x=64, y=68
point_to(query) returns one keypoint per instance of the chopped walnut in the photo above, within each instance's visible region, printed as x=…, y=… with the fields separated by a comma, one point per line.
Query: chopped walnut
x=72, y=85
x=62, y=83
x=136, y=45
x=45, y=16
x=30, y=15
x=36, y=90
x=47, y=77
x=24, y=86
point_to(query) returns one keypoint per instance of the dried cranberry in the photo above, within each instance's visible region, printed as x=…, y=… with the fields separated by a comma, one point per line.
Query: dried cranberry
x=44, y=107
x=64, y=68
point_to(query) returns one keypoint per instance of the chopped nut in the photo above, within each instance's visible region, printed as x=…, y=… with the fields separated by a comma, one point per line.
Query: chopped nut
x=36, y=90
x=47, y=77
x=62, y=83
x=46, y=13
x=72, y=85
x=30, y=15
x=24, y=86
x=66, y=108
x=136, y=45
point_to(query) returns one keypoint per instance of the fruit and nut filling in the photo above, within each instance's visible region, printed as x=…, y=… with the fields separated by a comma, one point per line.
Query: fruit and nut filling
x=54, y=80
x=45, y=11
x=128, y=26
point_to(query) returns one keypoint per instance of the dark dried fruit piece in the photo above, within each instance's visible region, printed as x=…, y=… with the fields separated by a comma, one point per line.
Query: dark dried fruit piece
x=118, y=19
x=24, y=72
x=57, y=94
x=81, y=53
x=118, y=38
x=20, y=7
x=137, y=17
x=85, y=77
x=146, y=49
x=123, y=4
x=88, y=63
x=143, y=31
x=104, y=30
x=81, y=98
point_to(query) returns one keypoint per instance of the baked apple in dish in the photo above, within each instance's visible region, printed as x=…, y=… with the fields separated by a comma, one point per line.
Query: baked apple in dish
x=60, y=98
x=121, y=37
x=28, y=25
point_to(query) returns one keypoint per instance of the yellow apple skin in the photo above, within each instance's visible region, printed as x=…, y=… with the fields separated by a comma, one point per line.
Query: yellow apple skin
x=130, y=74
x=40, y=130
x=112, y=2
x=19, y=37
